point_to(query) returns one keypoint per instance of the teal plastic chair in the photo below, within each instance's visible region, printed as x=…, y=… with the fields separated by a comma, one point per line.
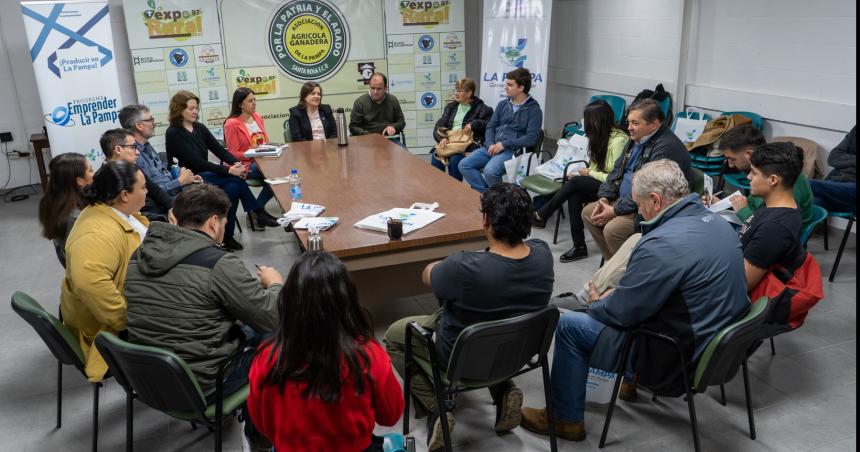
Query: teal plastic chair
x=617, y=103
x=818, y=215
x=664, y=106
x=851, y=217
x=288, y=136
x=757, y=120
x=572, y=128
x=738, y=180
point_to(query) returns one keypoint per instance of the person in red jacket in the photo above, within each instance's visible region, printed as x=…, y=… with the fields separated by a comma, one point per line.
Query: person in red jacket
x=243, y=130
x=321, y=382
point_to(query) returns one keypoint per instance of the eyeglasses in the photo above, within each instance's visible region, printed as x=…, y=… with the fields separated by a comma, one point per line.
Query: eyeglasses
x=148, y=120
x=129, y=146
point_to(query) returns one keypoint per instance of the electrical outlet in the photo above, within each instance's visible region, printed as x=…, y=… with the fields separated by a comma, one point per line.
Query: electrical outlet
x=5, y=137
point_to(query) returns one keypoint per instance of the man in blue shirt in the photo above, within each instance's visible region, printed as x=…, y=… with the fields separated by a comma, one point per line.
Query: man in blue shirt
x=516, y=123
x=611, y=218
x=138, y=120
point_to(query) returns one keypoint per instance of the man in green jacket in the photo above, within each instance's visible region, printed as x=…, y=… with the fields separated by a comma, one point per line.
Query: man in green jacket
x=186, y=292
x=377, y=111
x=738, y=144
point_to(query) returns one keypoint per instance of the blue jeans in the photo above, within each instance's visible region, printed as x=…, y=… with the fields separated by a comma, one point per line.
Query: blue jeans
x=236, y=189
x=266, y=193
x=834, y=196
x=493, y=167
x=453, y=164
x=575, y=337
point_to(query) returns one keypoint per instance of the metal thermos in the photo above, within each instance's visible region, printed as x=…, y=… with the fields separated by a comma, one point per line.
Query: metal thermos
x=315, y=241
x=342, y=130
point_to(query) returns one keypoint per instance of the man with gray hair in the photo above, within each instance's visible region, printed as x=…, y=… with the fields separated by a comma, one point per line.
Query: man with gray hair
x=684, y=279
x=137, y=119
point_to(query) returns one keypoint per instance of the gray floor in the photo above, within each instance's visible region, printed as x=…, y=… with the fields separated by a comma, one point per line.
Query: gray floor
x=804, y=397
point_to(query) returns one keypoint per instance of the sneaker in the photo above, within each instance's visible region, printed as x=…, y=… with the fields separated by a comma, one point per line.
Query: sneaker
x=435, y=439
x=231, y=244
x=508, y=410
x=574, y=254
x=536, y=420
x=537, y=222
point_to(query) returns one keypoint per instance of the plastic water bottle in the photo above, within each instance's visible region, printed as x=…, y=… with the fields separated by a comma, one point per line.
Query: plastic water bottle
x=315, y=241
x=295, y=186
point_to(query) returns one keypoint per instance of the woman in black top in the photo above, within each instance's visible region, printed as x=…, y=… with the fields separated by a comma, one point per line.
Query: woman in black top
x=311, y=119
x=190, y=141
x=476, y=117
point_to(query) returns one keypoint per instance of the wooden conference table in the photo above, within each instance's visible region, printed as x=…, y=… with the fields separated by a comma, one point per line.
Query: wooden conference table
x=369, y=176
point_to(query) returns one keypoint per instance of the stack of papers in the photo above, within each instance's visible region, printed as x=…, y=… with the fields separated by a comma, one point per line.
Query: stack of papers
x=265, y=150
x=299, y=210
x=412, y=219
x=322, y=223
x=722, y=208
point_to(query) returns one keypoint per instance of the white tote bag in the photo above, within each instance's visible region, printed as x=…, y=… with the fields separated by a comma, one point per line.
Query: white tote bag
x=689, y=130
x=575, y=148
x=598, y=387
x=516, y=166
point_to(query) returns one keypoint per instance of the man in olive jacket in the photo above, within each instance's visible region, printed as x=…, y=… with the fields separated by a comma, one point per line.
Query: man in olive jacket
x=185, y=292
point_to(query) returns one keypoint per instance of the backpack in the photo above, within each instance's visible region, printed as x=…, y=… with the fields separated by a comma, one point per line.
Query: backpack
x=658, y=94
x=792, y=291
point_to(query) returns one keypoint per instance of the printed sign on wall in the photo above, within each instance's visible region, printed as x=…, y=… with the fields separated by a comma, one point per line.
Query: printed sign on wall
x=72, y=50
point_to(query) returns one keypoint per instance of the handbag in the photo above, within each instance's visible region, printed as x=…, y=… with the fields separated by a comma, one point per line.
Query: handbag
x=458, y=142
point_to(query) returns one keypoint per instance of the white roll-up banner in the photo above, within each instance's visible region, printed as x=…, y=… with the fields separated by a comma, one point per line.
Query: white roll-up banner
x=72, y=50
x=516, y=34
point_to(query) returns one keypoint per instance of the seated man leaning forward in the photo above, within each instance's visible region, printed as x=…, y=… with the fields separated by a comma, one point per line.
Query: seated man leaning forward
x=685, y=279
x=378, y=111
x=509, y=278
x=186, y=293
x=611, y=218
x=516, y=123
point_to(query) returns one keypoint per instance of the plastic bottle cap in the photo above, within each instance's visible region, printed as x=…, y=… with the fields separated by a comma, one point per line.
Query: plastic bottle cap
x=294, y=171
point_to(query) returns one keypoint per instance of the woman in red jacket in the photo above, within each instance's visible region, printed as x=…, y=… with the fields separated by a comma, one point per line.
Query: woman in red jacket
x=322, y=383
x=244, y=129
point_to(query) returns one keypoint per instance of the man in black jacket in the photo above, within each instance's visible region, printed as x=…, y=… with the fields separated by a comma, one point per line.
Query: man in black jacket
x=611, y=218
x=838, y=192
x=119, y=144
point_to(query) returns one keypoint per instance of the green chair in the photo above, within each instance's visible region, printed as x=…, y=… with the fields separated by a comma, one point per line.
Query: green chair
x=617, y=103
x=665, y=107
x=757, y=120
x=572, y=128
x=738, y=180
x=484, y=354
x=818, y=215
x=545, y=186
x=718, y=365
x=63, y=345
x=288, y=136
x=851, y=217
x=162, y=380
x=698, y=181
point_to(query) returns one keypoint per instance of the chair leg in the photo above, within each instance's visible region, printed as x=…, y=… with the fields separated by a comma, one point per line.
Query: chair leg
x=693, y=422
x=625, y=352
x=841, y=249
x=129, y=426
x=723, y=395
x=441, y=408
x=749, y=398
x=407, y=387
x=772, y=347
x=59, y=394
x=826, y=233
x=547, y=393
x=557, y=223
x=96, y=387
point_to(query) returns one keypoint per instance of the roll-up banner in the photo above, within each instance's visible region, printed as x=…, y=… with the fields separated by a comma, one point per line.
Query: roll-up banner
x=516, y=34
x=72, y=50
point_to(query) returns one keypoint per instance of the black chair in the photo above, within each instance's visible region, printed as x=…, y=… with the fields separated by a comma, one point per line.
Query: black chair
x=718, y=364
x=163, y=381
x=63, y=345
x=484, y=354
x=851, y=217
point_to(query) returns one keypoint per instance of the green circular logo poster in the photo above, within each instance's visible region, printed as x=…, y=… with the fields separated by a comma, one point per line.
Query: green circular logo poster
x=308, y=39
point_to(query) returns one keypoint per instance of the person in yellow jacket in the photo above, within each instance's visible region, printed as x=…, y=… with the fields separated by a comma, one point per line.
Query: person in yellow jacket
x=97, y=253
